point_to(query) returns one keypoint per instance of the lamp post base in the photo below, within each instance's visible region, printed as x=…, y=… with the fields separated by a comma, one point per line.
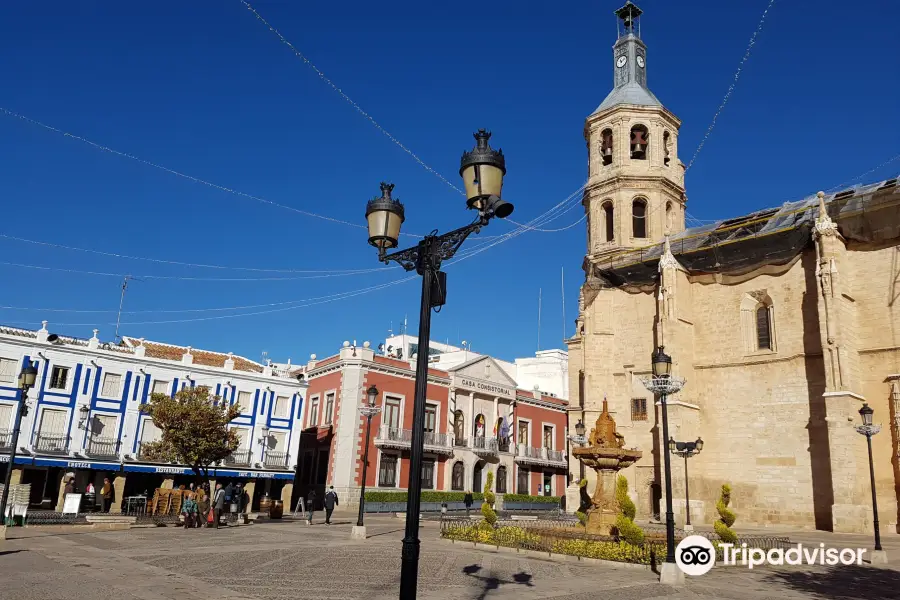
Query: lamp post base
x=878, y=557
x=670, y=574
x=358, y=532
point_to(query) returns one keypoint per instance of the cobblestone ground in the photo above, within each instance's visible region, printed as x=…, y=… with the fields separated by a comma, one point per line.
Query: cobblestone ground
x=292, y=561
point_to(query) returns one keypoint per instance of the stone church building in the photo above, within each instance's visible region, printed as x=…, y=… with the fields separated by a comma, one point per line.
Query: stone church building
x=783, y=323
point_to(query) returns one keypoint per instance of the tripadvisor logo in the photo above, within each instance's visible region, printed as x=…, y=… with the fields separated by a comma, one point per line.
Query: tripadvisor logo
x=695, y=555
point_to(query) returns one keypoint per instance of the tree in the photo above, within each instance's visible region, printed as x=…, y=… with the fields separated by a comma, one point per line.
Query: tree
x=487, y=508
x=625, y=526
x=726, y=517
x=194, y=429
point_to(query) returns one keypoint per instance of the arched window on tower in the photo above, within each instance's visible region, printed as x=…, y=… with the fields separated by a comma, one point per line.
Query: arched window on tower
x=670, y=218
x=606, y=146
x=667, y=147
x=608, y=222
x=763, y=328
x=639, y=218
x=640, y=138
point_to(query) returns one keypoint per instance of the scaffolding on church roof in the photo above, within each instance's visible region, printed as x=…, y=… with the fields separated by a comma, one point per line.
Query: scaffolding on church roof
x=868, y=213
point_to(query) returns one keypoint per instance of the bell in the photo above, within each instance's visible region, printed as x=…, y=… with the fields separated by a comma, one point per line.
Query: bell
x=607, y=151
x=638, y=149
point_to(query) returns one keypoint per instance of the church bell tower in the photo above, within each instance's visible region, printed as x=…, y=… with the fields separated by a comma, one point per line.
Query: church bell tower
x=635, y=193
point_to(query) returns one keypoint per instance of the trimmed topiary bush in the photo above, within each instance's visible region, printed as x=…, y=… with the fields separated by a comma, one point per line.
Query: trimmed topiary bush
x=582, y=517
x=625, y=527
x=626, y=506
x=726, y=517
x=487, y=508
x=532, y=499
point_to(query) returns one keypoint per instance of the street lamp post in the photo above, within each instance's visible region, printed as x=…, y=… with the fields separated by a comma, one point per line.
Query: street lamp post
x=26, y=382
x=482, y=170
x=579, y=440
x=368, y=411
x=663, y=384
x=868, y=429
x=686, y=450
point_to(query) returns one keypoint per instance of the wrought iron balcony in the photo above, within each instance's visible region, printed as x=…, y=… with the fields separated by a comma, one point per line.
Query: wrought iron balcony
x=276, y=460
x=544, y=457
x=485, y=447
x=460, y=442
x=51, y=443
x=438, y=443
x=105, y=447
x=401, y=439
x=504, y=445
x=5, y=438
x=239, y=458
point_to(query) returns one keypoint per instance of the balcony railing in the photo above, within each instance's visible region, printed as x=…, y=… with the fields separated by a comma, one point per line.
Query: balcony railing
x=51, y=443
x=545, y=457
x=401, y=439
x=438, y=443
x=106, y=447
x=276, y=460
x=239, y=458
x=484, y=446
x=504, y=445
x=5, y=438
x=460, y=442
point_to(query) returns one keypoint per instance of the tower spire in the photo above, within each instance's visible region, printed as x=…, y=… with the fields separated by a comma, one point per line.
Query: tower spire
x=629, y=63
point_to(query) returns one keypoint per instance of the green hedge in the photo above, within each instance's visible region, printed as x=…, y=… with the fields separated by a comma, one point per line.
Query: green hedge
x=527, y=498
x=425, y=496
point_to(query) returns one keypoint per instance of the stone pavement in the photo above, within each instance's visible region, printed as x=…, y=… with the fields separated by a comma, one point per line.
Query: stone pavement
x=289, y=560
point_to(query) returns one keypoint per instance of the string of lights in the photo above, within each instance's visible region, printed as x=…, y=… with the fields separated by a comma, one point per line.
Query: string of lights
x=731, y=87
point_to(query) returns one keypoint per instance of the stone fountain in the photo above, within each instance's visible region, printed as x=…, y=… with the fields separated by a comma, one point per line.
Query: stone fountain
x=605, y=453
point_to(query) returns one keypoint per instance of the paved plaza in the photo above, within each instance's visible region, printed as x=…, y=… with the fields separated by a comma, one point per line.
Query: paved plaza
x=289, y=560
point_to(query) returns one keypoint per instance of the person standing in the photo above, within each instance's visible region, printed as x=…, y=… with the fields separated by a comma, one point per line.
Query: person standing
x=70, y=486
x=331, y=500
x=467, y=500
x=310, y=506
x=106, y=492
x=218, y=505
x=202, y=508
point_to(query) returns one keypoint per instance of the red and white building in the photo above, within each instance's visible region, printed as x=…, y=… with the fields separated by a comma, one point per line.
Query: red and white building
x=477, y=421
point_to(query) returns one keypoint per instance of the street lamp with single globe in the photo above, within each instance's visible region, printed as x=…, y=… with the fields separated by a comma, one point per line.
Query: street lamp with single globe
x=579, y=440
x=868, y=429
x=686, y=450
x=662, y=383
x=368, y=411
x=27, y=377
x=482, y=170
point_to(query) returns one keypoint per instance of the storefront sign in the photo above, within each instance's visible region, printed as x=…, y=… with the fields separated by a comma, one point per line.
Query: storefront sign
x=171, y=470
x=74, y=464
x=483, y=386
x=4, y=458
x=78, y=465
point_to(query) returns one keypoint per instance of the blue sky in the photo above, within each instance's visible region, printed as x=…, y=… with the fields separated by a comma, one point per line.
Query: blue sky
x=206, y=89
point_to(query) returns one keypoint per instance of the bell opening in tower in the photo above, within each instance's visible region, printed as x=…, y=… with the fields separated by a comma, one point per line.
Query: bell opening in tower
x=606, y=146
x=629, y=14
x=639, y=140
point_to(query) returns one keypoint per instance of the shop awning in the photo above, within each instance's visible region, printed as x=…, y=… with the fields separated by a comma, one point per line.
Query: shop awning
x=253, y=474
x=20, y=460
x=75, y=464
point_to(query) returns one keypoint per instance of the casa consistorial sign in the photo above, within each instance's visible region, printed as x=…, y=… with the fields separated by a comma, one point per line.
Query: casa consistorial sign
x=487, y=387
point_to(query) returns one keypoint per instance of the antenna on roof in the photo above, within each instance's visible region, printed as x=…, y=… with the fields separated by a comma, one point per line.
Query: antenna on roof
x=121, y=304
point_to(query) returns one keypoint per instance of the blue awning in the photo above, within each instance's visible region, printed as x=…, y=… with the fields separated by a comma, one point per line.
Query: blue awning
x=161, y=469
x=253, y=474
x=20, y=460
x=75, y=464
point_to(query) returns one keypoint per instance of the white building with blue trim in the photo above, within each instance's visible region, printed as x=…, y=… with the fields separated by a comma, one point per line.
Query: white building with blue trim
x=84, y=418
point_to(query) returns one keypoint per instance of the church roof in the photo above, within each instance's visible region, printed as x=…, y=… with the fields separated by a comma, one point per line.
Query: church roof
x=867, y=213
x=630, y=93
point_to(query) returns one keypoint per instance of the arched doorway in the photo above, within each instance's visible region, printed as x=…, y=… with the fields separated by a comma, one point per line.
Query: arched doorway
x=476, y=477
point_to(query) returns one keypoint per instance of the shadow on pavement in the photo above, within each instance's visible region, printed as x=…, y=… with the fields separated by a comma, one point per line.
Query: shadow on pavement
x=852, y=581
x=384, y=533
x=492, y=583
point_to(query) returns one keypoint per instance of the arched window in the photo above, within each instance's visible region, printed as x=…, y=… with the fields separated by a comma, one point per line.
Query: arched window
x=640, y=139
x=459, y=428
x=501, y=480
x=639, y=218
x=667, y=148
x=763, y=328
x=608, y=222
x=479, y=426
x=459, y=476
x=670, y=218
x=606, y=146
x=476, y=478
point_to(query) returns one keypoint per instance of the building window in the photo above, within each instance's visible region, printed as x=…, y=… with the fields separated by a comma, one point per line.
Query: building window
x=670, y=218
x=392, y=412
x=522, y=481
x=244, y=401
x=639, y=141
x=608, y=222
x=8, y=370
x=606, y=146
x=58, y=378
x=501, y=480
x=459, y=427
x=523, y=433
x=548, y=437
x=430, y=417
x=387, y=473
x=479, y=426
x=638, y=409
x=548, y=484
x=639, y=218
x=329, y=408
x=667, y=148
x=282, y=407
x=459, y=476
x=427, y=474
x=763, y=329
x=476, y=477
x=160, y=387
x=112, y=383
x=314, y=412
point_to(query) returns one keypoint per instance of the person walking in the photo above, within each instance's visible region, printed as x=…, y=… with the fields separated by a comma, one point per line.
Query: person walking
x=310, y=506
x=106, y=492
x=467, y=500
x=218, y=505
x=331, y=500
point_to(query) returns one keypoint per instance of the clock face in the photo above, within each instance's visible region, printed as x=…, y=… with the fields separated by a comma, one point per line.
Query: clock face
x=640, y=61
x=620, y=62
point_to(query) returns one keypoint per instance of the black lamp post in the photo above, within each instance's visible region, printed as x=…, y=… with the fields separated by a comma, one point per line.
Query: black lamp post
x=686, y=450
x=482, y=171
x=868, y=430
x=368, y=411
x=662, y=383
x=579, y=440
x=26, y=382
